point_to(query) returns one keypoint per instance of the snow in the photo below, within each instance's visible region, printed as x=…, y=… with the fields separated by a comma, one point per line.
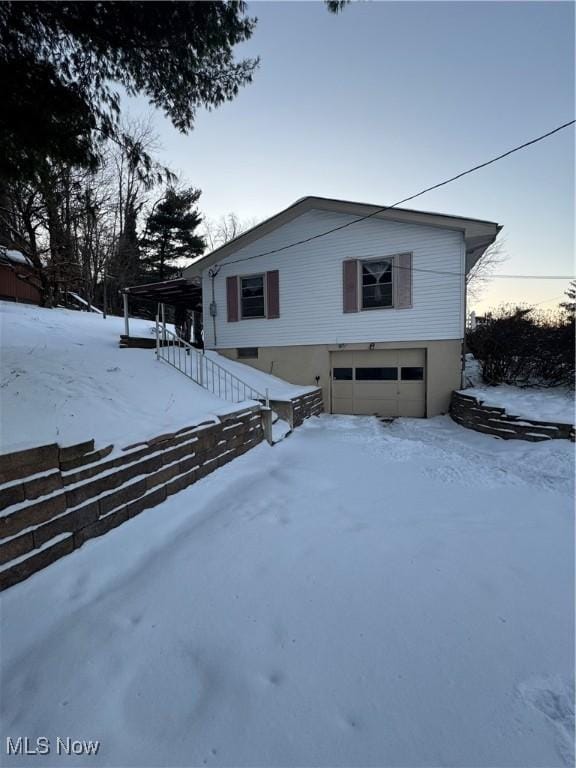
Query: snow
x=358, y=595
x=280, y=429
x=16, y=257
x=84, y=302
x=539, y=404
x=472, y=371
x=278, y=389
x=64, y=379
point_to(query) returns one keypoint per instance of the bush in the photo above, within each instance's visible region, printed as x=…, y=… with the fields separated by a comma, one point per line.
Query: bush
x=518, y=346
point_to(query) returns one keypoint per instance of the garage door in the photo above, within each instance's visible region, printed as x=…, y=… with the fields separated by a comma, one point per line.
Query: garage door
x=387, y=382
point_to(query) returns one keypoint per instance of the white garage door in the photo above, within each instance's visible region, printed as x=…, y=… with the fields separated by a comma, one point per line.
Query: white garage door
x=387, y=382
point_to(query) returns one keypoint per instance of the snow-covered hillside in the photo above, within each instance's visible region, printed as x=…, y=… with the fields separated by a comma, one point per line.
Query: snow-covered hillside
x=552, y=404
x=64, y=379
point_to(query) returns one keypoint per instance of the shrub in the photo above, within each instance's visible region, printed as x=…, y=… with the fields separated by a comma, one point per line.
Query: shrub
x=519, y=346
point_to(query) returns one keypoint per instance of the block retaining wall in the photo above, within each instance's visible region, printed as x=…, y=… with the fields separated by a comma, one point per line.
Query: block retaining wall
x=55, y=498
x=472, y=413
x=298, y=409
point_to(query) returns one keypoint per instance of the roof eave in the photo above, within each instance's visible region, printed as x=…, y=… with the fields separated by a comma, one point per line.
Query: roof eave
x=446, y=221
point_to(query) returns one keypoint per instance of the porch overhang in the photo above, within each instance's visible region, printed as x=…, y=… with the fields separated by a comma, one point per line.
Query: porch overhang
x=180, y=292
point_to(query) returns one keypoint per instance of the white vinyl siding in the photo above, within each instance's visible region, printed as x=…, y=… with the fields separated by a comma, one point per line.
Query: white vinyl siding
x=311, y=284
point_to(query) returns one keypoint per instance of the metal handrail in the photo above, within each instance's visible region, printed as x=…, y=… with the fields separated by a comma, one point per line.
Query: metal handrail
x=201, y=369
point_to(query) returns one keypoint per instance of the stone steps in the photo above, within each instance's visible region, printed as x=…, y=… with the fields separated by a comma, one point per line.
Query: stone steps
x=76, y=505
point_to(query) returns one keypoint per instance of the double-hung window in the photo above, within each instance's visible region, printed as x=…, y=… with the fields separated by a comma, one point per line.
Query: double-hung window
x=252, y=300
x=376, y=284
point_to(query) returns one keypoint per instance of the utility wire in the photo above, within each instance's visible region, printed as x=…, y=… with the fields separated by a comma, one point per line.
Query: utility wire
x=418, y=194
x=547, y=301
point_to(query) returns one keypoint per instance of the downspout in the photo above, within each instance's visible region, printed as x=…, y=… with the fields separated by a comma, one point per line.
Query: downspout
x=212, y=275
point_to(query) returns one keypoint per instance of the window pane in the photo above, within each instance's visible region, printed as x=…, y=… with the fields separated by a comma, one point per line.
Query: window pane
x=253, y=307
x=376, y=272
x=376, y=374
x=252, y=296
x=253, y=286
x=377, y=295
x=342, y=374
x=412, y=374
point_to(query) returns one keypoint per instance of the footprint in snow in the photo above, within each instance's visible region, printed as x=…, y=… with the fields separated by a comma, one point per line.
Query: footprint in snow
x=554, y=698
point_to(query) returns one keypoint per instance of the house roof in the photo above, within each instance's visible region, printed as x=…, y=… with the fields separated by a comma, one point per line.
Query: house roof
x=8, y=255
x=478, y=234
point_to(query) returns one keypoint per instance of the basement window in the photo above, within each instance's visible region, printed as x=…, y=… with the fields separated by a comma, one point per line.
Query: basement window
x=246, y=352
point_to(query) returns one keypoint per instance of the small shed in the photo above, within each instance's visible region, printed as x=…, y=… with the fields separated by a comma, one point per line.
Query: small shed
x=18, y=278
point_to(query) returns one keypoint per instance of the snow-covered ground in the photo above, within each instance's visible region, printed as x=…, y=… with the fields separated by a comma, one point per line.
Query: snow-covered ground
x=539, y=403
x=358, y=595
x=542, y=404
x=64, y=379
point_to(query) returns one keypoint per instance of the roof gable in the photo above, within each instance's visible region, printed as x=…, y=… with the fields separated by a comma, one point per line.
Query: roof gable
x=478, y=234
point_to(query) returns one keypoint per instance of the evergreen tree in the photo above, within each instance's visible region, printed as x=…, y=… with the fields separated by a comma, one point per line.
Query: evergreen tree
x=570, y=306
x=170, y=233
x=58, y=60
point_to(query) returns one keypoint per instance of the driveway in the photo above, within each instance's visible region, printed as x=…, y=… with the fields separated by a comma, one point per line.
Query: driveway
x=358, y=595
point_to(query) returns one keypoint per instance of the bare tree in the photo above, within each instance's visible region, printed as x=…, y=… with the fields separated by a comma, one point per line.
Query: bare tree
x=483, y=270
x=217, y=232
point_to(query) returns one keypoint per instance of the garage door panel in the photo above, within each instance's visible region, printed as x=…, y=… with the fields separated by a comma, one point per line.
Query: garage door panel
x=343, y=405
x=411, y=390
x=387, y=408
x=388, y=382
x=414, y=409
x=373, y=357
x=343, y=389
x=412, y=356
x=375, y=389
x=343, y=359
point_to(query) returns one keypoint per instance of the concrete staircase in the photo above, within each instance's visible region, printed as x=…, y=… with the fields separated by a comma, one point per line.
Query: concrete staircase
x=53, y=498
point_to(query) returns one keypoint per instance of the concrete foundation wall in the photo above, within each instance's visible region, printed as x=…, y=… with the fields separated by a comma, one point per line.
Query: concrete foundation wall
x=303, y=363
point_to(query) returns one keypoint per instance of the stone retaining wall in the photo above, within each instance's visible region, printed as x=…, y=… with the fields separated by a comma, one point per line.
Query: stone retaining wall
x=298, y=409
x=310, y=404
x=54, y=498
x=472, y=413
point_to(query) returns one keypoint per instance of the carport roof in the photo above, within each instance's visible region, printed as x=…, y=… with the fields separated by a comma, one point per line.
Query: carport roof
x=185, y=292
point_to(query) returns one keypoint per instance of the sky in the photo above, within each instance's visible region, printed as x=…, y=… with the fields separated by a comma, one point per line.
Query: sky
x=384, y=99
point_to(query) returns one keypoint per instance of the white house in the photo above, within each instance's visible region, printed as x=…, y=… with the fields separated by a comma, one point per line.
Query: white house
x=374, y=311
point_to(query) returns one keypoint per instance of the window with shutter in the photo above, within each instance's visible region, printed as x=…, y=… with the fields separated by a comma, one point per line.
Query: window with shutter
x=350, y=285
x=252, y=299
x=232, y=298
x=377, y=284
x=403, y=263
x=273, y=294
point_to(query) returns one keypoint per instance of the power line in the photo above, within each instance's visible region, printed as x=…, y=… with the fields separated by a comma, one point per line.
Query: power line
x=536, y=277
x=419, y=194
x=546, y=301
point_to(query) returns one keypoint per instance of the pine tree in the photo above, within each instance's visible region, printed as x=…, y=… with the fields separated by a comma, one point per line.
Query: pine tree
x=59, y=61
x=570, y=306
x=170, y=233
